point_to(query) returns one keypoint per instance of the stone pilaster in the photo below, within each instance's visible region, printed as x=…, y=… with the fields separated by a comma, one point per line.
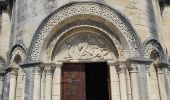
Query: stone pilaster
x=161, y=81
x=114, y=79
x=133, y=70
x=37, y=82
x=13, y=72
x=49, y=70
x=56, y=90
x=20, y=85
x=138, y=76
x=122, y=79
x=2, y=74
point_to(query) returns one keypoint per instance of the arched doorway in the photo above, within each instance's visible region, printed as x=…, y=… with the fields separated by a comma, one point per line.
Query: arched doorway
x=85, y=81
x=87, y=35
x=85, y=73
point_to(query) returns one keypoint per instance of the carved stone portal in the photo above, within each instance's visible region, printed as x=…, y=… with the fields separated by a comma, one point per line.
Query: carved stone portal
x=84, y=46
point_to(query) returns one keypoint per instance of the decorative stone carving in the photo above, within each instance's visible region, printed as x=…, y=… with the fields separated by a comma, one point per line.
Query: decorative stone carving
x=85, y=46
x=13, y=72
x=1, y=63
x=49, y=69
x=18, y=50
x=119, y=50
x=84, y=8
x=38, y=69
x=151, y=46
x=122, y=69
x=133, y=68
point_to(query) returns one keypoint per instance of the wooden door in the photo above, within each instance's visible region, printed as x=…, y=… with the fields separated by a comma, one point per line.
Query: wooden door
x=73, y=82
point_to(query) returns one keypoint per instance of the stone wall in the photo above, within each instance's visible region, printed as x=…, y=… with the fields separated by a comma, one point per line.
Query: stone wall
x=166, y=27
x=5, y=30
x=27, y=16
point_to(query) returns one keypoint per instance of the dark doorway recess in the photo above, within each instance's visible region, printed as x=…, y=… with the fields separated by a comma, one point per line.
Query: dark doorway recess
x=85, y=81
x=97, y=81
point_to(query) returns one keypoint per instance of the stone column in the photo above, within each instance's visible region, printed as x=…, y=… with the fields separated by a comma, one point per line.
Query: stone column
x=37, y=82
x=114, y=81
x=152, y=83
x=12, y=88
x=133, y=70
x=49, y=70
x=167, y=81
x=122, y=78
x=56, y=90
x=2, y=74
x=20, y=85
x=161, y=82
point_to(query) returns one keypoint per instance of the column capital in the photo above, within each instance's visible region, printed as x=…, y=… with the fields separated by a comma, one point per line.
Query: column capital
x=133, y=68
x=38, y=69
x=13, y=72
x=49, y=69
x=122, y=68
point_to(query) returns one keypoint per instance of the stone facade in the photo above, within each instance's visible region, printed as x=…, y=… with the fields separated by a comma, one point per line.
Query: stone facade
x=37, y=37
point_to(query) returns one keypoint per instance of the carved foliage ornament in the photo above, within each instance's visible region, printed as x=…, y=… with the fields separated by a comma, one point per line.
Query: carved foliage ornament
x=49, y=69
x=84, y=8
x=85, y=46
x=38, y=69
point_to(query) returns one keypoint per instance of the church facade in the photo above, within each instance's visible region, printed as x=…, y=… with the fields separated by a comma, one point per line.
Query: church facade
x=85, y=50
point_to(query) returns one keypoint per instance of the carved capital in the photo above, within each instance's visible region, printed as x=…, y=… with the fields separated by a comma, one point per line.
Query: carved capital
x=49, y=69
x=38, y=70
x=13, y=72
x=133, y=68
x=122, y=68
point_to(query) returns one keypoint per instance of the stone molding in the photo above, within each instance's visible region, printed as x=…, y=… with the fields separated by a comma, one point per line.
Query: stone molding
x=152, y=45
x=84, y=8
x=90, y=28
x=17, y=50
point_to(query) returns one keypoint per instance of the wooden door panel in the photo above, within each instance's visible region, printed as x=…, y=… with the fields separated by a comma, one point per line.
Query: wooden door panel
x=73, y=82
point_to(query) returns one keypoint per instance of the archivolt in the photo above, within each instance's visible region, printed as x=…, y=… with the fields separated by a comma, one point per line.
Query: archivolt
x=84, y=8
x=152, y=45
x=2, y=63
x=119, y=52
x=17, y=50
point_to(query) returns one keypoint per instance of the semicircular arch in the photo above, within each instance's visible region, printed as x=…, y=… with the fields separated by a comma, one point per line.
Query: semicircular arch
x=128, y=36
x=151, y=46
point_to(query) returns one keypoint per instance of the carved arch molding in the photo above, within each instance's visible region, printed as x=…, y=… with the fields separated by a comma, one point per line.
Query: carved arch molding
x=2, y=63
x=17, y=50
x=84, y=8
x=154, y=45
